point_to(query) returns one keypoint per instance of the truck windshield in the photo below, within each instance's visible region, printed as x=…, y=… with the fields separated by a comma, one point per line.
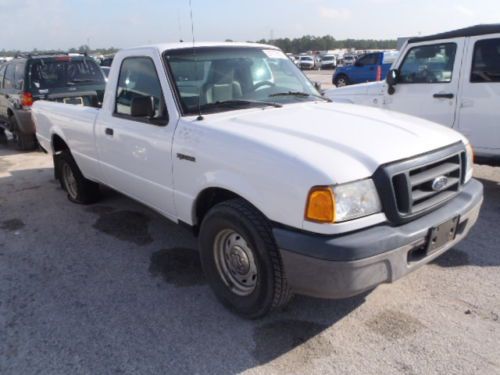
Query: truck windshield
x=64, y=72
x=208, y=76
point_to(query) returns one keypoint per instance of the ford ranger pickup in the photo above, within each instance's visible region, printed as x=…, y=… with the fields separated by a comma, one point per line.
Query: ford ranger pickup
x=287, y=192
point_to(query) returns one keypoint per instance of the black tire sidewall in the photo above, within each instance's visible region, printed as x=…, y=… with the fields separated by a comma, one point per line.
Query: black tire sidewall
x=260, y=300
x=83, y=186
x=24, y=142
x=341, y=77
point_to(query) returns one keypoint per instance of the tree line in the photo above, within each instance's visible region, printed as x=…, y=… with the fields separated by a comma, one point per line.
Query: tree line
x=296, y=45
x=327, y=42
x=81, y=49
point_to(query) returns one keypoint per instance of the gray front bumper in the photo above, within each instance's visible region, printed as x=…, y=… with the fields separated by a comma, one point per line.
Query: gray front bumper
x=343, y=266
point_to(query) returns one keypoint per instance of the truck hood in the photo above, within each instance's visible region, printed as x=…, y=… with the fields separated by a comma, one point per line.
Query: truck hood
x=370, y=88
x=343, y=142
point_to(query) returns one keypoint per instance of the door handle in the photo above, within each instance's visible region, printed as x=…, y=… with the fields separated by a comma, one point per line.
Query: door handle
x=444, y=96
x=109, y=131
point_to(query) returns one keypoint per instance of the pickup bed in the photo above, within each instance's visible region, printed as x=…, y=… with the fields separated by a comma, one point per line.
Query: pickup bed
x=26, y=79
x=287, y=192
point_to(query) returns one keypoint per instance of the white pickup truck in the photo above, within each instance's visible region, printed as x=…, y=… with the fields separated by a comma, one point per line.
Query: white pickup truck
x=287, y=192
x=451, y=78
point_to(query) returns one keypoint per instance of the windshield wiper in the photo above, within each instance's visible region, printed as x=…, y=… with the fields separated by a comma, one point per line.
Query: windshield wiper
x=238, y=103
x=299, y=94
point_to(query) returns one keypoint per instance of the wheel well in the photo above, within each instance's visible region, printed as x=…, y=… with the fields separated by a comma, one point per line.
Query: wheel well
x=10, y=113
x=58, y=144
x=209, y=198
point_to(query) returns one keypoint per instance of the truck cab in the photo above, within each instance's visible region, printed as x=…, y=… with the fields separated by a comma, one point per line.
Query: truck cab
x=451, y=78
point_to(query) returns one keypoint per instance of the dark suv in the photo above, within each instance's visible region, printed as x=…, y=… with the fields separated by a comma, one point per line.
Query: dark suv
x=63, y=78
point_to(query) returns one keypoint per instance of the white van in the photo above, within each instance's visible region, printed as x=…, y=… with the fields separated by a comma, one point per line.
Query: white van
x=451, y=78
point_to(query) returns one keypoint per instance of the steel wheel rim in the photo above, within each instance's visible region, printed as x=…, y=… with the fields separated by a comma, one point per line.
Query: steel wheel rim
x=69, y=180
x=341, y=82
x=235, y=262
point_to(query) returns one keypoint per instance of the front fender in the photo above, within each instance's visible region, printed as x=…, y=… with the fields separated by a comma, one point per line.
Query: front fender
x=186, y=202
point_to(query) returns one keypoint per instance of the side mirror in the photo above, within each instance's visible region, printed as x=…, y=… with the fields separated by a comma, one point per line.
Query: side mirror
x=392, y=80
x=142, y=106
x=358, y=64
x=392, y=77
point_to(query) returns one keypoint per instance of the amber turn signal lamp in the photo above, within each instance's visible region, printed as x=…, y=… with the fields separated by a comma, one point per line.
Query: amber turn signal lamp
x=321, y=205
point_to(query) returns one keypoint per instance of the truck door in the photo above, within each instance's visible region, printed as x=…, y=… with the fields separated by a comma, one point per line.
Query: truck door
x=135, y=152
x=479, y=111
x=429, y=81
x=365, y=68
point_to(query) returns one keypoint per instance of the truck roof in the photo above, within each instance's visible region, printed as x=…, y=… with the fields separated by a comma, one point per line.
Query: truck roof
x=460, y=33
x=171, y=46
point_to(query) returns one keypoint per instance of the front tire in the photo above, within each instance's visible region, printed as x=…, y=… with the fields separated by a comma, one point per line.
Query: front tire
x=79, y=189
x=241, y=261
x=341, y=81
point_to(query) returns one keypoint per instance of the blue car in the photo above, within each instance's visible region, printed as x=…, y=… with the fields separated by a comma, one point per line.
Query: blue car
x=367, y=68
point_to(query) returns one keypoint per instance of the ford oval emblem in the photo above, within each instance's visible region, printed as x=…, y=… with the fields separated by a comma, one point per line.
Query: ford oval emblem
x=439, y=183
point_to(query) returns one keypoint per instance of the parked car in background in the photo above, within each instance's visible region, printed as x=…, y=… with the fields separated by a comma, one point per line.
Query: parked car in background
x=63, y=78
x=367, y=68
x=292, y=58
x=328, y=62
x=287, y=192
x=107, y=61
x=306, y=62
x=105, y=70
x=451, y=78
x=348, y=60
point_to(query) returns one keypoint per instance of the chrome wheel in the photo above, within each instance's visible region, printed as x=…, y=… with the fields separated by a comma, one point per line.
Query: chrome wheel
x=235, y=262
x=69, y=181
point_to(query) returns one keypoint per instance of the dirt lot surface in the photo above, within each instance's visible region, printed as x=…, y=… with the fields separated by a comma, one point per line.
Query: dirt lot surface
x=114, y=288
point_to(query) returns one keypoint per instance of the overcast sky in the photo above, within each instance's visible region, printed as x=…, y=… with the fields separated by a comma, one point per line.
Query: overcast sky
x=44, y=24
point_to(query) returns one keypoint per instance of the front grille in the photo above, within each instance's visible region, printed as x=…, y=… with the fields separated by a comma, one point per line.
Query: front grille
x=406, y=187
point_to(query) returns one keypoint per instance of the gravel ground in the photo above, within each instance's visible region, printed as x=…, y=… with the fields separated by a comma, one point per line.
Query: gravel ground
x=115, y=288
x=322, y=76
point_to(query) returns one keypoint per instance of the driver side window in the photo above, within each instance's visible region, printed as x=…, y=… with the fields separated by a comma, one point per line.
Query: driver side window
x=367, y=60
x=428, y=64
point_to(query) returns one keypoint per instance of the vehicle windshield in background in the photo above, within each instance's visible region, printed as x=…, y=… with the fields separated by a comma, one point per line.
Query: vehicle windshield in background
x=390, y=57
x=217, y=79
x=64, y=72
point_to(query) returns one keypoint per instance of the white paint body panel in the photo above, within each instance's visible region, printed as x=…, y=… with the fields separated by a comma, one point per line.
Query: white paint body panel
x=271, y=157
x=474, y=110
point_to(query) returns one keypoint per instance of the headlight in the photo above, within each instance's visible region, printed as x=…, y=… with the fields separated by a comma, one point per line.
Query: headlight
x=469, y=163
x=355, y=200
x=339, y=203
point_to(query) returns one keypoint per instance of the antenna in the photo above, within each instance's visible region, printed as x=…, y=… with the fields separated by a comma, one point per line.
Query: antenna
x=200, y=117
x=179, y=23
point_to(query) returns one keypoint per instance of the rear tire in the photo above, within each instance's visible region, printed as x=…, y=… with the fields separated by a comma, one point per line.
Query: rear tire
x=79, y=189
x=24, y=142
x=241, y=261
